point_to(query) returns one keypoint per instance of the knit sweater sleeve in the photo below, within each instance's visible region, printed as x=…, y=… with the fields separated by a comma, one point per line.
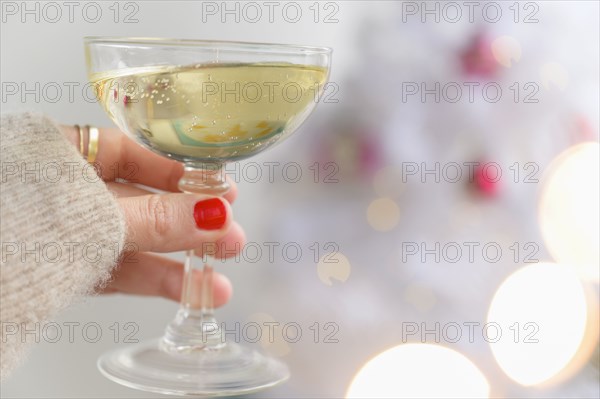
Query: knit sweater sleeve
x=61, y=230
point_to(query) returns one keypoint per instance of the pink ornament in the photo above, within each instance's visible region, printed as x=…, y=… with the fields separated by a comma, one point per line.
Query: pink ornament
x=477, y=59
x=486, y=178
x=369, y=154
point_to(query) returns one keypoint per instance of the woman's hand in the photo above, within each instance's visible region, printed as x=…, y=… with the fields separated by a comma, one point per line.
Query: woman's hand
x=161, y=222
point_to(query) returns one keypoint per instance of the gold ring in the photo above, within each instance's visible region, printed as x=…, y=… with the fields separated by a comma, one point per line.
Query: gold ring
x=80, y=138
x=94, y=133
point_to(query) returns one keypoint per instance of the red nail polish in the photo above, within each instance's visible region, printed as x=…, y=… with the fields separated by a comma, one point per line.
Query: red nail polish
x=210, y=214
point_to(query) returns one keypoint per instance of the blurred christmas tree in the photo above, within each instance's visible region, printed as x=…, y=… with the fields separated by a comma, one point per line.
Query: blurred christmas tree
x=443, y=136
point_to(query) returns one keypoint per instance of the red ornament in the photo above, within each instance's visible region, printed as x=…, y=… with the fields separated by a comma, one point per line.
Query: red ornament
x=477, y=59
x=486, y=178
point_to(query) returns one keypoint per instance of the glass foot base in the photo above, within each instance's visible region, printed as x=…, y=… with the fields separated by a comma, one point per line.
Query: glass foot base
x=231, y=370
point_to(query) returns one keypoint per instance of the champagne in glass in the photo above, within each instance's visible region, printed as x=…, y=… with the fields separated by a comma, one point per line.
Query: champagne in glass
x=208, y=112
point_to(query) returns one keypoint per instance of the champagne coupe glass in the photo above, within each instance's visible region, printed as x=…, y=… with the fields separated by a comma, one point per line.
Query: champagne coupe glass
x=202, y=103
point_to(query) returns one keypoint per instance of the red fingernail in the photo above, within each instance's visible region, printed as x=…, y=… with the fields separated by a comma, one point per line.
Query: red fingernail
x=210, y=214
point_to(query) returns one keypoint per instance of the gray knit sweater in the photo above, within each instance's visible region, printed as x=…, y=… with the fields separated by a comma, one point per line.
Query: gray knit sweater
x=61, y=230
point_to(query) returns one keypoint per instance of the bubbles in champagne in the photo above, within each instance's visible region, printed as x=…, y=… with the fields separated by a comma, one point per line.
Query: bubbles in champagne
x=208, y=111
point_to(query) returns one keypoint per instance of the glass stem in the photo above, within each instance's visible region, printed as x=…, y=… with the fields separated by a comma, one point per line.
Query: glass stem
x=195, y=327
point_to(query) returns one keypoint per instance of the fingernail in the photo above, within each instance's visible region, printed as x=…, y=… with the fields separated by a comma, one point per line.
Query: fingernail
x=210, y=214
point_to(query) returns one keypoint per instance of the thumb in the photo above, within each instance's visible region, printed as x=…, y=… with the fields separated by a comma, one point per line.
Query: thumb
x=175, y=222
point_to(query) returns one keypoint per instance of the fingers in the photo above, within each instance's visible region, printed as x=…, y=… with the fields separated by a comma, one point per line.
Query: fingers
x=175, y=222
x=131, y=190
x=149, y=274
x=121, y=157
x=228, y=246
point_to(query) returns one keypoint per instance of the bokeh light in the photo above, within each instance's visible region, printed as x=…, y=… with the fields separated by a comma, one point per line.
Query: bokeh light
x=383, y=214
x=333, y=265
x=505, y=50
x=548, y=331
x=419, y=371
x=569, y=209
